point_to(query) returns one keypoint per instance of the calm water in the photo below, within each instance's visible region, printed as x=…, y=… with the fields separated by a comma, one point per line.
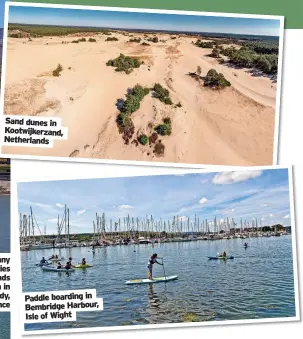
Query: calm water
x=5, y=325
x=258, y=283
x=4, y=224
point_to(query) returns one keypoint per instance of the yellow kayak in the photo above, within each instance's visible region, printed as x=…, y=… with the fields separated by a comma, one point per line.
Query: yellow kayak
x=82, y=266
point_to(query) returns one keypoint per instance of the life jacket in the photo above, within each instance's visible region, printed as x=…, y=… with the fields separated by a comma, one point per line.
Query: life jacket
x=152, y=261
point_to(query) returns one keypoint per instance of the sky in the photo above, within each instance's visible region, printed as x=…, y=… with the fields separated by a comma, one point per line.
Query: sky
x=112, y=19
x=242, y=194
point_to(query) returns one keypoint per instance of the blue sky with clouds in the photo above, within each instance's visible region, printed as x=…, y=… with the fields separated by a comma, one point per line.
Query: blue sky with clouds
x=242, y=194
x=115, y=19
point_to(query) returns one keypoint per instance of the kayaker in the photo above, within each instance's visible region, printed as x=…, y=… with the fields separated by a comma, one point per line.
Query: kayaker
x=245, y=244
x=224, y=254
x=83, y=261
x=59, y=266
x=43, y=260
x=70, y=261
x=56, y=257
x=152, y=261
x=68, y=265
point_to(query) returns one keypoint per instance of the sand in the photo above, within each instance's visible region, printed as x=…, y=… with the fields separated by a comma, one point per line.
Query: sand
x=234, y=126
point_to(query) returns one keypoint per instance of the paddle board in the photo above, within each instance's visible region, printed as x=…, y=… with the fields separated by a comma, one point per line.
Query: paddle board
x=82, y=266
x=56, y=259
x=153, y=281
x=217, y=258
x=44, y=264
x=54, y=269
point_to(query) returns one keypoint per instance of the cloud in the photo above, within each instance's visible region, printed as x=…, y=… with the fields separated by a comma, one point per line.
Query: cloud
x=203, y=201
x=228, y=211
x=42, y=205
x=59, y=205
x=126, y=207
x=185, y=209
x=287, y=216
x=53, y=220
x=226, y=178
x=271, y=215
x=81, y=212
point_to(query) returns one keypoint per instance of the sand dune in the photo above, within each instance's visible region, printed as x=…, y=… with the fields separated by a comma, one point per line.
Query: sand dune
x=234, y=126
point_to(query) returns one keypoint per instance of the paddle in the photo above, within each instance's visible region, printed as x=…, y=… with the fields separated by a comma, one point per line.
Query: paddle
x=163, y=268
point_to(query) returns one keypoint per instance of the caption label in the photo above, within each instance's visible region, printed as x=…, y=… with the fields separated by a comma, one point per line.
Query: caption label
x=59, y=305
x=32, y=131
x=5, y=279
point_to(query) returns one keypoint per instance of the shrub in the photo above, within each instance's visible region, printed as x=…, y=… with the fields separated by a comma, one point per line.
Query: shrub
x=57, y=71
x=124, y=120
x=247, y=56
x=202, y=44
x=221, y=61
x=15, y=35
x=154, y=39
x=140, y=91
x=111, y=39
x=199, y=70
x=179, y=104
x=131, y=104
x=215, y=53
x=135, y=40
x=165, y=128
x=82, y=40
x=215, y=80
x=124, y=63
x=160, y=91
x=159, y=149
x=143, y=139
x=263, y=63
x=162, y=94
x=92, y=40
x=167, y=101
x=153, y=138
x=145, y=44
x=75, y=41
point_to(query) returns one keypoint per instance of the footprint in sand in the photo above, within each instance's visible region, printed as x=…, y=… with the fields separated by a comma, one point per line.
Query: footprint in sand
x=77, y=152
x=74, y=154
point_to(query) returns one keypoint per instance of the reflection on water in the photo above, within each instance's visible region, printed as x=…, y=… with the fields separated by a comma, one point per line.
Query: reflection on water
x=258, y=283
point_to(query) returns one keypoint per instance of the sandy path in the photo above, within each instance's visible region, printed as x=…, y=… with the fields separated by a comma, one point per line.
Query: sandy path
x=230, y=127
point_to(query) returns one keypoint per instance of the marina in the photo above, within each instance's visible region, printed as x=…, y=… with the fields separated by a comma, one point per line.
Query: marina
x=133, y=230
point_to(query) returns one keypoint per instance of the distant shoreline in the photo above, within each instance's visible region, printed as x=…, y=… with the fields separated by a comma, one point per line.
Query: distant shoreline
x=137, y=30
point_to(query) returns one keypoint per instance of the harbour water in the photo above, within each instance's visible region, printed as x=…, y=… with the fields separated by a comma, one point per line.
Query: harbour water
x=258, y=283
x=4, y=223
x=5, y=325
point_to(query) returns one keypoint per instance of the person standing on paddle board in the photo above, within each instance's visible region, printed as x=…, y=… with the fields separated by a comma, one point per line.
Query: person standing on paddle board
x=152, y=261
